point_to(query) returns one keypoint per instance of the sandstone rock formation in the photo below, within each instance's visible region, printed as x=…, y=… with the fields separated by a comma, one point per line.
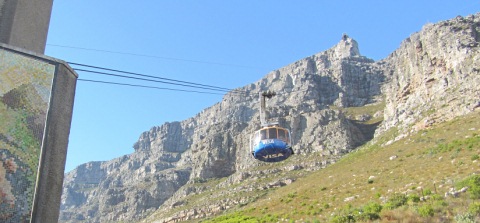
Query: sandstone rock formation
x=432, y=77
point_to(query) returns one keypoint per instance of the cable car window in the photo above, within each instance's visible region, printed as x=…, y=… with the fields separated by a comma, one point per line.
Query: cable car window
x=281, y=135
x=263, y=134
x=287, y=135
x=256, y=138
x=272, y=133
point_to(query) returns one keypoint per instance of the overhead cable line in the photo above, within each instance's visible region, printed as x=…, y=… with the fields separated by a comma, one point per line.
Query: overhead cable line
x=174, y=89
x=157, y=57
x=143, y=75
x=150, y=80
x=160, y=79
x=144, y=86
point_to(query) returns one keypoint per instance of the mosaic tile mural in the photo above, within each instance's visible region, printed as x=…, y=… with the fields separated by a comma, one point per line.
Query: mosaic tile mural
x=25, y=86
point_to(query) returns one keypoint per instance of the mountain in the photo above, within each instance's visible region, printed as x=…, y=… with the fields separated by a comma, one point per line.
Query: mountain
x=333, y=102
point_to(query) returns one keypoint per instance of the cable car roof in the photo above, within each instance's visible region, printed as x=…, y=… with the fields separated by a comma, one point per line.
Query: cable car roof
x=269, y=127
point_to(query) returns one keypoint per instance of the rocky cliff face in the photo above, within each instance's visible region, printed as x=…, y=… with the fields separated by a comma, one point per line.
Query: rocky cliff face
x=432, y=77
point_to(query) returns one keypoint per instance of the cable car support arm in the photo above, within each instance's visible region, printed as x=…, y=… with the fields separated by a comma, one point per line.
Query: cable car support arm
x=263, y=112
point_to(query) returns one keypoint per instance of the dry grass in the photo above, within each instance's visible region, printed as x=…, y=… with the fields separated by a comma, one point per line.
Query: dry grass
x=428, y=162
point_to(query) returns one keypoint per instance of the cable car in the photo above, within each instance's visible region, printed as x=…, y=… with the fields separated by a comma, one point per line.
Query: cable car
x=271, y=143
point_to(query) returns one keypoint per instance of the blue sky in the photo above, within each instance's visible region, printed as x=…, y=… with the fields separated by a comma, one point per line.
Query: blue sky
x=225, y=43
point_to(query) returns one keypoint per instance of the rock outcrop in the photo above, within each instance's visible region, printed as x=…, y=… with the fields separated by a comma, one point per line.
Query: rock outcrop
x=432, y=77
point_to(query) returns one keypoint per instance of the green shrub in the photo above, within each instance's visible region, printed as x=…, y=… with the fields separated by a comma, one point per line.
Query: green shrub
x=427, y=192
x=342, y=218
x=437, y=197
x=269, y=218
x=396, y=201
x=234, y=217
x=474, y=208
x=372, y=207
x=371, y=211
x=473, y=184
x=425, y=210
x=344, y=215
x=414, y=198
x=475, y=157
x=465, y=218
x=442, y=203
x=292, y=195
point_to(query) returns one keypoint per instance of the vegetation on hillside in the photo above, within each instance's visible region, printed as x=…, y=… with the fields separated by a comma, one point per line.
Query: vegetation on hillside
x=429, y=176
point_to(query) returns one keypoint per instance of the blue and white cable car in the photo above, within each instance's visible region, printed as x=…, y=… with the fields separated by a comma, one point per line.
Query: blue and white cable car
x=271, y=143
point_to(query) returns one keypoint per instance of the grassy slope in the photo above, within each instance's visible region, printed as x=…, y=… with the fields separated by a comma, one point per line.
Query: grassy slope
x=430, y=161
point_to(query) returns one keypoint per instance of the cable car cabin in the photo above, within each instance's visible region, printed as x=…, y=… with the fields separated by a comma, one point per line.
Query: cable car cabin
x=271, y=144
